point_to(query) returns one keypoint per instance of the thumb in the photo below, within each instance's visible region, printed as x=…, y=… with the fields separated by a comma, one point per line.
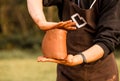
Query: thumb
x=69, y=58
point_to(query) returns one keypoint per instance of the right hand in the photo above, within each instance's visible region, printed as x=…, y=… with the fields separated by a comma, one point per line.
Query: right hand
x=68, y=25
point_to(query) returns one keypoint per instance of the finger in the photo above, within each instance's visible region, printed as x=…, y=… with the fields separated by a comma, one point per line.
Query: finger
x=69, y=58
x=44, y=59
x=41, y=58
x=59, y=24
x=56, y=61
x=65, y=23
x=70, y=24
x=71, y=28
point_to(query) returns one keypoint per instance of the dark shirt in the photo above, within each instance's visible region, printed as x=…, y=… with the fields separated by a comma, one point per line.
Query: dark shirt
x=108, y=22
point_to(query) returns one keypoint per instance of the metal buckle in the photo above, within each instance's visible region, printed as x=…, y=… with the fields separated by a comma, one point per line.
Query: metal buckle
x=80, y=21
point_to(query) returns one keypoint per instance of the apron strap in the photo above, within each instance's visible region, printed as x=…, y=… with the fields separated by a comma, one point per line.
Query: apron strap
x=78, y=3
x=92, y=4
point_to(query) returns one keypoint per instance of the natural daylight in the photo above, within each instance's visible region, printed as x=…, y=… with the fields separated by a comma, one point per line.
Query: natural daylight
x=70, y=26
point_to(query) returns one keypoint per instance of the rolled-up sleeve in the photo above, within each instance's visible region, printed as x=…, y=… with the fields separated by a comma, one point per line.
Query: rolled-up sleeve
x=108, y=27
x=51, y=2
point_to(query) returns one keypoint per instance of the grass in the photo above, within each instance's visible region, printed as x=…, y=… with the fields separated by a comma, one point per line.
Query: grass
x=17, y=65
x=26, y=70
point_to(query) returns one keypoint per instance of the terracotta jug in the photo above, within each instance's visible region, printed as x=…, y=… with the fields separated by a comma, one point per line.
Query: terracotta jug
x=54, y=44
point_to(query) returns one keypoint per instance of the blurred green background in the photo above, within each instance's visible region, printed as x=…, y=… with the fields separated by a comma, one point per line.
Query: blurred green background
x=20, y=42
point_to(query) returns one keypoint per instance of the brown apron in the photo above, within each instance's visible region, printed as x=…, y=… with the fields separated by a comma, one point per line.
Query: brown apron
x=81, y=39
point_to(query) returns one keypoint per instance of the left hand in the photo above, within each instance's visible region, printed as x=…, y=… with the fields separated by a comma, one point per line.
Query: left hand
x=69, y=61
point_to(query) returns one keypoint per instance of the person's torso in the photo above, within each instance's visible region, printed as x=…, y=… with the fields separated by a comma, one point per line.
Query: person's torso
x=82, y=38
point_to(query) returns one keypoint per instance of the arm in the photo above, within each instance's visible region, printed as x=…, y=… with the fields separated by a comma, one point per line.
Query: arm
x=108, y=31
x=107, y=38
x=92, y=54
x=108, y=27
x=35, y=8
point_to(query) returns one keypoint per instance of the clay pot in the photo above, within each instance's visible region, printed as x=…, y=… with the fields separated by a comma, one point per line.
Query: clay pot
x=54, y=44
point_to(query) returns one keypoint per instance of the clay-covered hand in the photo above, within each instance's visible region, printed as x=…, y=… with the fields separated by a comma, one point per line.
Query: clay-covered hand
x=71, y=60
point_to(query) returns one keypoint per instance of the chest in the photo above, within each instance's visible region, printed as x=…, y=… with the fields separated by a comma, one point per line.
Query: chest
x=85, y=4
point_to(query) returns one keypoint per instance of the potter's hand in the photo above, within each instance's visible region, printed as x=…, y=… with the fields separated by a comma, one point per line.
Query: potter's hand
x=49, y=25
x=70, y=60
x=68, y=25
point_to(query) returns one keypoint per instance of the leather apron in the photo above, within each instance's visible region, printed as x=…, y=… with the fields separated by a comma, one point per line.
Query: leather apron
x=81, y=39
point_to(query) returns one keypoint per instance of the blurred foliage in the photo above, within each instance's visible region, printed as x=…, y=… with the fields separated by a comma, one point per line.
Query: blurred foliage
x=17, y=29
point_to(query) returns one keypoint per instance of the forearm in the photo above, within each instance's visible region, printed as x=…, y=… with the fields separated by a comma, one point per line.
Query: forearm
x=94, y=53
x=35, y=9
